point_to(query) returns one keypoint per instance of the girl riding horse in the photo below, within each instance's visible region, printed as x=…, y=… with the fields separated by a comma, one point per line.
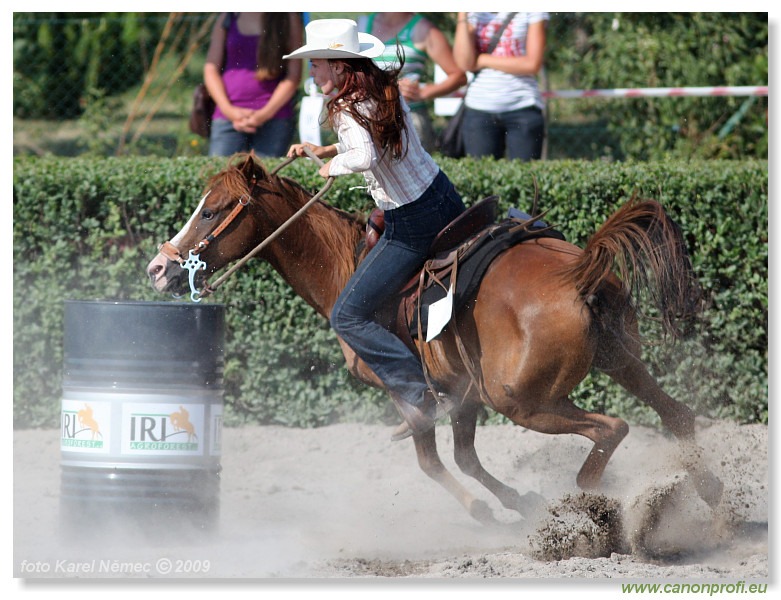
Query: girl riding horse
x=377, y=139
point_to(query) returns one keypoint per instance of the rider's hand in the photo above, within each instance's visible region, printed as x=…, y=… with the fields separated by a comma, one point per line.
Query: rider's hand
x=298, y=149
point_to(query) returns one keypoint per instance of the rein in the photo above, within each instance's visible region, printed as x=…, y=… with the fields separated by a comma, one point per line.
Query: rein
x=209, y=289
x=192, y=264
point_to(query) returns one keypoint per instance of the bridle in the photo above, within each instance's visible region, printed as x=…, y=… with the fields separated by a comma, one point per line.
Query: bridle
x=192, y=264
x=171, y=252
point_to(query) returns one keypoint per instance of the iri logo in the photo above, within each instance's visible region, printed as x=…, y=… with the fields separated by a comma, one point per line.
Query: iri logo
x=162, y=429
x=81, y=426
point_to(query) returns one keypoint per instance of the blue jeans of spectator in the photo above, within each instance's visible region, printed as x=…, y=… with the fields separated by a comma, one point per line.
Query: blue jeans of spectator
x=272, y=139
x=398, y=255
x=517, y=133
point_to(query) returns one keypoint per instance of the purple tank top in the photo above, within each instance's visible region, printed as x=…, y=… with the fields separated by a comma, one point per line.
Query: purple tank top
x=238, y=75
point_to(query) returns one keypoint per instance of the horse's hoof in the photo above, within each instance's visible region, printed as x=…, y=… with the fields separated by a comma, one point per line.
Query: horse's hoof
x=480, y=511
x=532, y=505
x=708, y=486
x=588, y=482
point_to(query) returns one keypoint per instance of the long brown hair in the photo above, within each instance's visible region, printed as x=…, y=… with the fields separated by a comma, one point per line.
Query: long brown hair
x=274, y=43
x=366, y=81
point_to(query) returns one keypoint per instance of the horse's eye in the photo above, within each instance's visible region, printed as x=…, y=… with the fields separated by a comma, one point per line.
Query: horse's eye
x=207, y=215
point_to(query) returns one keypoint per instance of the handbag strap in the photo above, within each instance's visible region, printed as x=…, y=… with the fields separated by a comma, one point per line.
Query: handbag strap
x=495, y=41
x=498, y=33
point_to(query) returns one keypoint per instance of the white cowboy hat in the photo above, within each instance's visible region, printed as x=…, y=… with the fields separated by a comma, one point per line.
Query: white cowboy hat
x=337, y=38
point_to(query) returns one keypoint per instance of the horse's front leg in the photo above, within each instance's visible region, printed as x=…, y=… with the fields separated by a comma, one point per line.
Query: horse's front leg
x=429, y=461
x=464, y=422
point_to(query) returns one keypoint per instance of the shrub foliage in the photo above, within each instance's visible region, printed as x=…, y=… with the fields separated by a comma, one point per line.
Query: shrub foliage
x=85, y=229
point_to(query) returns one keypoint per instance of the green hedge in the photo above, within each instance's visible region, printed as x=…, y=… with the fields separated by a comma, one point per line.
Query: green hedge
x=85, y=229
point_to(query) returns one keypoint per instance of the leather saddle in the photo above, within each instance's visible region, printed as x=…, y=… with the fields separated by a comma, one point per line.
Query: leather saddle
x=459, y=257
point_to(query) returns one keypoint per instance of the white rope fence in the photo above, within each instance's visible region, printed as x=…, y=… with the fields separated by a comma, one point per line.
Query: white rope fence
x=449, y=105
x=668, y=92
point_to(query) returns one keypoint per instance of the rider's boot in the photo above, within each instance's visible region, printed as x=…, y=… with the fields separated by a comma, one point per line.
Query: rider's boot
x=419, y=419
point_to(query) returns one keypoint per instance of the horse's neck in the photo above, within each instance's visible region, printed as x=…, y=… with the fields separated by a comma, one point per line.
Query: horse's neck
x=316, y=254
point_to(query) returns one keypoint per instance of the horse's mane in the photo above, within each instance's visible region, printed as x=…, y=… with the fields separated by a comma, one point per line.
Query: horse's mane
x=324, y=219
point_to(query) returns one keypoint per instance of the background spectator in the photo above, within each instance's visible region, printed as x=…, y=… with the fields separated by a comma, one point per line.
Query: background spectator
x=504, y=105
x=252, y=86
x=421, y=43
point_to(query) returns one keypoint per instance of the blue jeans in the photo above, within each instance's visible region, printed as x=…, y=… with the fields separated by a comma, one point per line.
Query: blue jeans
x=399, y=254
x=272, y=139
x=519, y=133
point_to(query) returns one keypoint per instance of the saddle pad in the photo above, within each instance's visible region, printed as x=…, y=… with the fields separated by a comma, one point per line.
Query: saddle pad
x=472, y=268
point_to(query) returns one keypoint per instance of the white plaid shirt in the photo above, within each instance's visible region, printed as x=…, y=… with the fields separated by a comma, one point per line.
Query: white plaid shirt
x=392, y=183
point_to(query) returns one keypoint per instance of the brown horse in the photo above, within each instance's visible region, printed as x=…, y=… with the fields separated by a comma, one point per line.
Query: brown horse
x=545, y=314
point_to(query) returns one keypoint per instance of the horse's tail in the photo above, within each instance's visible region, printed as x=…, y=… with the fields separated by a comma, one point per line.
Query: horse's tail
x=646, y=249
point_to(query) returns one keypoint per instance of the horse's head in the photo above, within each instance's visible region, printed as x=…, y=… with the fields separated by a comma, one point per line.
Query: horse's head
x=217, y=233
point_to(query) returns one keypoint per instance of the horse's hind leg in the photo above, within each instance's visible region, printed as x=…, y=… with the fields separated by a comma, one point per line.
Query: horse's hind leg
x=464, y=424
x=676, y=417
x=431, y=464
x=562, y=416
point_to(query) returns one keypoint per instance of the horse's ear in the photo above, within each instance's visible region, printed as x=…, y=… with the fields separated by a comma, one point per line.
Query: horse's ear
x=252, y=169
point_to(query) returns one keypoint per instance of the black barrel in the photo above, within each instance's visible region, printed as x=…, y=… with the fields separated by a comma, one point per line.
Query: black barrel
x=141, y=415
